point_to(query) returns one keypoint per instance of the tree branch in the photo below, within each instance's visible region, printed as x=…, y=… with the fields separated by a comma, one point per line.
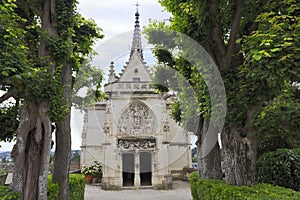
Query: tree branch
x=25, y=6
x=234, y=31
x=6, y=96
x=217, y=34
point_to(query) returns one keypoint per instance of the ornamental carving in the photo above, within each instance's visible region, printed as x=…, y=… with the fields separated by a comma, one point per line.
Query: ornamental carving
x=106, y=128
x=137, y=119
x=136, y=143
x=139, y=86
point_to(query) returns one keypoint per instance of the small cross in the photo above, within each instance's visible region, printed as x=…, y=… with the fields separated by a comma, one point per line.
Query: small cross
x=137, y=5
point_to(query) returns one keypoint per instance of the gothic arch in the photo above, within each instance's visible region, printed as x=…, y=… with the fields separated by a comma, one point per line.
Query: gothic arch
x=137, y=119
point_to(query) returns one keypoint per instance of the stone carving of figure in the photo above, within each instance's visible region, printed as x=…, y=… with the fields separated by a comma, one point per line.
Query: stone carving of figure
x=131, y=146
x=137, y=144
x=123, y=128
x=148, y=124
x=136, y=117
x=121, y=144
x=126, y=145
x=150, y=144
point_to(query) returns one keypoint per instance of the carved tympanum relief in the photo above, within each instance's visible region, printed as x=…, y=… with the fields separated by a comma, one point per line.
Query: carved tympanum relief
x=137, y=119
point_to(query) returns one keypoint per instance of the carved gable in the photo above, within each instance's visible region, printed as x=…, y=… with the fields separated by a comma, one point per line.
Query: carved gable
x=135, y=71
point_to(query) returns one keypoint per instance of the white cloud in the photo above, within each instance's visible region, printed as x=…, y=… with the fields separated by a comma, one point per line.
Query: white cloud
x=117, y=16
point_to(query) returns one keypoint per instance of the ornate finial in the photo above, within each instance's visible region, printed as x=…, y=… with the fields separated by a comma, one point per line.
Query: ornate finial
x=137, y=42
x=112, y=75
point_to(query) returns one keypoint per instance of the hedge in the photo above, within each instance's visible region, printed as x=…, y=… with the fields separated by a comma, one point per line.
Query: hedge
x=208, y=189
x=280, y=167
x=5, y=194
x=76, y=184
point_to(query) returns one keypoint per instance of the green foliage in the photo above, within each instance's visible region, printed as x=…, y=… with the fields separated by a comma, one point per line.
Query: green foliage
x=272, y=52
x=29, y=75
x=8, y=122
x=13, y=52
x=88, y=78
x=76, y=184
x=75, y=157
x=257, y=52
x=208, y=189
x=278, y=122
x=2, y=170
x=281, y=168
x=174, y=73
x=193, y=184
x=41, y=47
x=85, y=33
x=53, y=189
x=5, y=194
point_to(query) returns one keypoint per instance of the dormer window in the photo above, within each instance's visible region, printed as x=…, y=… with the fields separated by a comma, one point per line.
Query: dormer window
x=136, y=80
x=136, y=71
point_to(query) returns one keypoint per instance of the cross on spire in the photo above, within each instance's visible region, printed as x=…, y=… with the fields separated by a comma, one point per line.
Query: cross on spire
x=137, y=5
x=137, y=42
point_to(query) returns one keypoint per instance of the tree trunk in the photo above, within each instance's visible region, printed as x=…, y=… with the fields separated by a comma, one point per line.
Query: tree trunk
x=62, y=153
x=32, y=152
x=63, y=139
x=208, y=153
x=239, y=156
x=210, y=165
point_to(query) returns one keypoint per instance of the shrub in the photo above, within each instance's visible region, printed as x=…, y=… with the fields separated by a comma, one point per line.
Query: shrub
x=53, y=189
x=76, y=184
x=5, y=194
x=193, y=184
x=281, y=168
x=2, y=170
x=208, y=189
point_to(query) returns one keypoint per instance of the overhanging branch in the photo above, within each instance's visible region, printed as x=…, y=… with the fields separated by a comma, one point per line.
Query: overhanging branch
x=217, y=34
x=234, y=31
x=6, y=96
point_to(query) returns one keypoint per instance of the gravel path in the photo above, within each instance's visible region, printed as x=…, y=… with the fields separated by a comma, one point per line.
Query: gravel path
x=181, y=191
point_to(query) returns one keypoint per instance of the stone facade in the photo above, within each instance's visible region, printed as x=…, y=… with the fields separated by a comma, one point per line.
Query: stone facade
x=131, y=133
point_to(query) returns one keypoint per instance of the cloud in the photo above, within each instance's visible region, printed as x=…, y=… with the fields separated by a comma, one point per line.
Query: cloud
x=117, y=16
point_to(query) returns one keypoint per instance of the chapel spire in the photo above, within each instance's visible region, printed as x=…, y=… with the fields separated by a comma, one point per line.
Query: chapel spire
x=137, y=41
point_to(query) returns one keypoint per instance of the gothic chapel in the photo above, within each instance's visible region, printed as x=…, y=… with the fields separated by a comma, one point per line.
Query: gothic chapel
x=131, y=133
